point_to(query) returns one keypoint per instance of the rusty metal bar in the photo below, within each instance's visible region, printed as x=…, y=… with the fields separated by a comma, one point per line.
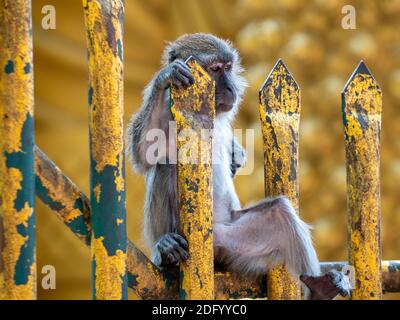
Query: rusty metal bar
x=362, y=109
x=17, y=188
x=104, y=26
x=61, y=195
x=193, y=110
x=279, y=99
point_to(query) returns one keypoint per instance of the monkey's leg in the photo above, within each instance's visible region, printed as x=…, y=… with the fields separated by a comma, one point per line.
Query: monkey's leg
x=270, y=233
x=160, y=219
x=263, y=236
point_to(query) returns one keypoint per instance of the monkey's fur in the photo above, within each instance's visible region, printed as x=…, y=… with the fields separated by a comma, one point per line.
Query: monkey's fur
x=248, y=241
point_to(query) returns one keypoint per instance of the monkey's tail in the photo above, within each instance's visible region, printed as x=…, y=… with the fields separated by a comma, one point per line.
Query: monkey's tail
x=299, y=255
x=266, y=236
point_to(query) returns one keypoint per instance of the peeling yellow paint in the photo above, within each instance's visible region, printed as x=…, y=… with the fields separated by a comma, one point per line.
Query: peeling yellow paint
x=106, y=82
x=104, y=30
x=119, y=183
x=72, y=215
x=149, y=280
x=235, y=286
x=110, y=271
x=60, y=189
x=280, y=116
x=193, y=109
x=97, y=192
x=16, y=48
x=362, y=116
x=16, y=104
x=353, y=128
x=281, y=285
x=120, y=221
x=14, y=241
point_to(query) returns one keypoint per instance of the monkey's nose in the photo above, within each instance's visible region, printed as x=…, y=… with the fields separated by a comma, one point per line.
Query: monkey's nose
x=230, y=95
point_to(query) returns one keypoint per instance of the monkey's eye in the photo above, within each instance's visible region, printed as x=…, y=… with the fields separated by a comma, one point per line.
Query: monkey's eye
x=228, y=66
x=215, y=68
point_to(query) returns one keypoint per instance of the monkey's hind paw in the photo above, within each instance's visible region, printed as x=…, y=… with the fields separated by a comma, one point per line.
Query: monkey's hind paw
x=170, y=250
x=327, y=286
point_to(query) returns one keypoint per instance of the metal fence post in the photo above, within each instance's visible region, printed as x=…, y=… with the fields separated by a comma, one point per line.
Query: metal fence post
x=362, y=109
x=280, y=117
x=17, y=180
x=104, y=25
x=195, y=182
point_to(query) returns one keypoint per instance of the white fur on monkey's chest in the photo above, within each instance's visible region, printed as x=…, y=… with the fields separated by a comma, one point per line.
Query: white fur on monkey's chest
x=225, y=198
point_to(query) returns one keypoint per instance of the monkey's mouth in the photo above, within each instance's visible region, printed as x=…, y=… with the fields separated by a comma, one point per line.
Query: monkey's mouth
x=225, y=101
x=224, y=107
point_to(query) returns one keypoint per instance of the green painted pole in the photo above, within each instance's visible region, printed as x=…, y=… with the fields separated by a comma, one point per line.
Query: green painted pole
x=17, y=193
x=104, y=26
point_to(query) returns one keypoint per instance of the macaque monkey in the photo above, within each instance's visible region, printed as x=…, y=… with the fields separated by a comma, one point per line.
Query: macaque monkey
x=248, y=241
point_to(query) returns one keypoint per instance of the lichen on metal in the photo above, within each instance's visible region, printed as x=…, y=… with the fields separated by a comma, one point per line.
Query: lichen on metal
x=279, y=109
x=17, y=193
x=362, y=109
x=110, y=272
x=104, y=26
x=193, y=110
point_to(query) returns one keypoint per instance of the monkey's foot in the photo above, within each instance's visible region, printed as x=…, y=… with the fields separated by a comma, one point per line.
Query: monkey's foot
x=170, y=249
x=327, y=286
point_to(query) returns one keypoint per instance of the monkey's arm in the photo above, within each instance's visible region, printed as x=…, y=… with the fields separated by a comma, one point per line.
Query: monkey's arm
x=155, y=114
x=160, y=219
x=238, y=156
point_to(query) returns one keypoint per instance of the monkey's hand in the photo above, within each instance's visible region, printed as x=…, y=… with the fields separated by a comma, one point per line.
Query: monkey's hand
x=170, y=250
x=327, y=286
x=177, y=73
x=238, y=157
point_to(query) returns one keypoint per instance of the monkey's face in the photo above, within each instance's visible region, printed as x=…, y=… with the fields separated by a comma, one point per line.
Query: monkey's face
x=225, y=91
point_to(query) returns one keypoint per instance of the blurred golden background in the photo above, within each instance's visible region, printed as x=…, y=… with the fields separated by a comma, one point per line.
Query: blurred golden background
x=318, y=51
